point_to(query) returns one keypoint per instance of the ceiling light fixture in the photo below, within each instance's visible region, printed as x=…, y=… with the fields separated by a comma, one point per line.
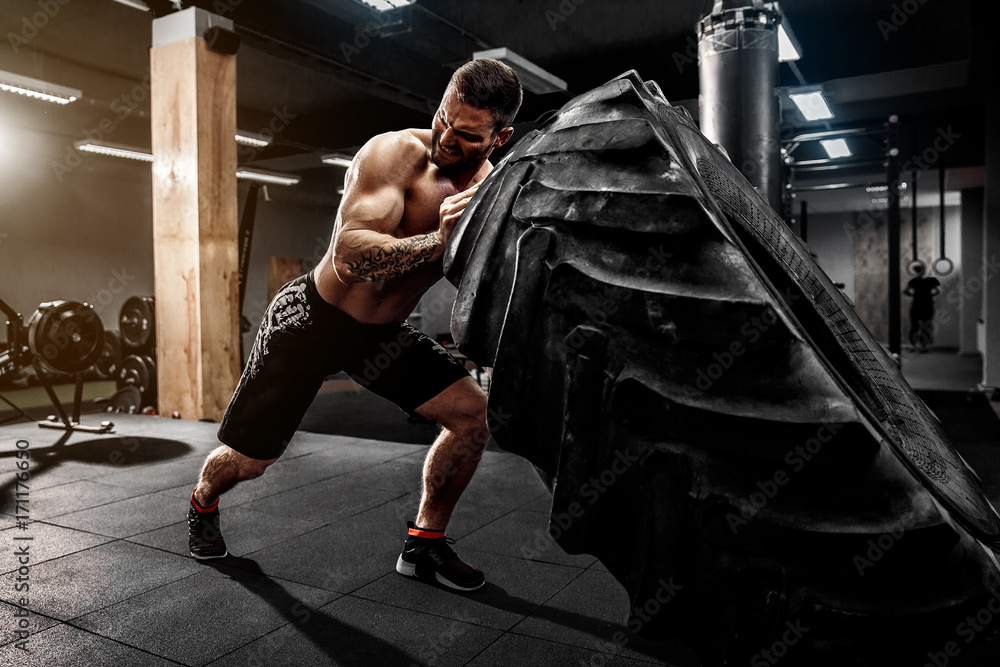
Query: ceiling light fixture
x=38, y=89
x=134, y=4
x=268, y=177
x=533, y=77
x=812, y=105
x=114, y=150
x=386, y=5
x=836, y=148
x=337, y=159
x=786, y=48
x=251, y=139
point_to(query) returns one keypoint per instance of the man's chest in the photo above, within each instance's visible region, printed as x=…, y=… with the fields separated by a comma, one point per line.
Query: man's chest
x=422, y=205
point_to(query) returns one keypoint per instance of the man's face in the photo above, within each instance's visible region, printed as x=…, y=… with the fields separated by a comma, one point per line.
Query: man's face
x=461, y=134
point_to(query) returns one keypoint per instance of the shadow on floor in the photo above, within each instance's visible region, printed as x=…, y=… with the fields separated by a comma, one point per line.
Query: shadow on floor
x=114, y=451
x=343, y=643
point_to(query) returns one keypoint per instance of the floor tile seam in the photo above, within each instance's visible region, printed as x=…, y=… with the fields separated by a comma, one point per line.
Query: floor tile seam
x=485, y=648
x=117, y=641
x=252, y=641
x=143, y=592
x=285, y=580
x=70, y=621
x=36, y=613
x=111, y=540
x=302, y=486
x=547, y=600
x=87, y=509
x=326, y=524
x=582, y=568
x=619, y=654
x=419, y=611
x=491, y=521
x=49, y=560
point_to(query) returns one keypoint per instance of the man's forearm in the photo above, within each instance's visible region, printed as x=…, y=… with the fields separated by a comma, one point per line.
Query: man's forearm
x=384, y=261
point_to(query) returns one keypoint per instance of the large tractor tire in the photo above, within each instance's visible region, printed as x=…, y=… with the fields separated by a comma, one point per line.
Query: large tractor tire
x=719, y=427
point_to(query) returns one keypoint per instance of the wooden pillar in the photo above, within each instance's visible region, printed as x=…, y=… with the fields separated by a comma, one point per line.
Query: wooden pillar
x=193, y=100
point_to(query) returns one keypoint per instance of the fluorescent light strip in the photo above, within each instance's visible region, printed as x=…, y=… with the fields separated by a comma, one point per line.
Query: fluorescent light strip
x=251, y=139
x=337, y=160
x=786, y=50
x=836, y=148
x=114, y=150
x=134, y=4
x=533, y=77
x=38, y=89
x=386, y=5
x=270, y=178
x=812, y=105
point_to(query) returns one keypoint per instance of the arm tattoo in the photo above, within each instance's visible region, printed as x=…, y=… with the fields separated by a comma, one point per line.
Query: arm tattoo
x=394, y=260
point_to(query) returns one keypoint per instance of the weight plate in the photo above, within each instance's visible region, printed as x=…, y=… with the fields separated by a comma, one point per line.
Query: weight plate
x=133, y=372
x=149, y=396
x=136, y=322
x=66, y=336
x=106, y=366
x=126, y=400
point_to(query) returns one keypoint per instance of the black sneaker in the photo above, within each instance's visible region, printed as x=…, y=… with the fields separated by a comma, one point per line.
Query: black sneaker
x=433, y=559
x=205, y=535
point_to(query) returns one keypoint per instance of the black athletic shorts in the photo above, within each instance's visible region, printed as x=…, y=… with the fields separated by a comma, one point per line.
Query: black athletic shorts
x=302, y=340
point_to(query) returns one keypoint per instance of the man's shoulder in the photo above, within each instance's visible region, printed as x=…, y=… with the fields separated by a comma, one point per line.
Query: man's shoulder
x=394, y=156
x=399, y=145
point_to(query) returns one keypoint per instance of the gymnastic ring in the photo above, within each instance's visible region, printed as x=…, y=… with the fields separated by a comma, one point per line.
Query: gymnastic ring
x=938, y=271
x=916, y=267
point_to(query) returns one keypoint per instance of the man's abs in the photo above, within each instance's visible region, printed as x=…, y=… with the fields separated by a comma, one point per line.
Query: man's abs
x=375, y=303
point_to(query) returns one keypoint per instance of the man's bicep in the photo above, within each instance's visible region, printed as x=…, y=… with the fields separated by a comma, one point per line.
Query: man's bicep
x=377, y=209
x=376, y=186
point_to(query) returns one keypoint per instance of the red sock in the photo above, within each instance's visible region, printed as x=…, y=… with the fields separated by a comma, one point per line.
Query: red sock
x=203, y=510
x=416, y=531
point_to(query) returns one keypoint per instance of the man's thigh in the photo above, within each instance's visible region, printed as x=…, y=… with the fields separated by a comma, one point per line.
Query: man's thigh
x=406, y=366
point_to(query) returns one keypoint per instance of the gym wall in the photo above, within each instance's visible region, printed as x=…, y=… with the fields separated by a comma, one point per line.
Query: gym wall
x=86, y=233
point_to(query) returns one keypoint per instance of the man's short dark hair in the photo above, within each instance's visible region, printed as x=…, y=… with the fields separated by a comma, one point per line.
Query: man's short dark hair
x=489, y=84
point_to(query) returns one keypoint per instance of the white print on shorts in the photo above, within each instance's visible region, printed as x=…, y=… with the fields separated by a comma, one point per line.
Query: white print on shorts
x=289, y=310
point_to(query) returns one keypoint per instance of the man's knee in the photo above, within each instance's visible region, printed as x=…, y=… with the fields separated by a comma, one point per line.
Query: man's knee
x=253, y=468
x=468, y=418
x=246, y=467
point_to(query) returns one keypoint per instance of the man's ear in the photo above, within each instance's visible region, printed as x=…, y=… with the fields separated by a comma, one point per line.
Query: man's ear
x=503, y=136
